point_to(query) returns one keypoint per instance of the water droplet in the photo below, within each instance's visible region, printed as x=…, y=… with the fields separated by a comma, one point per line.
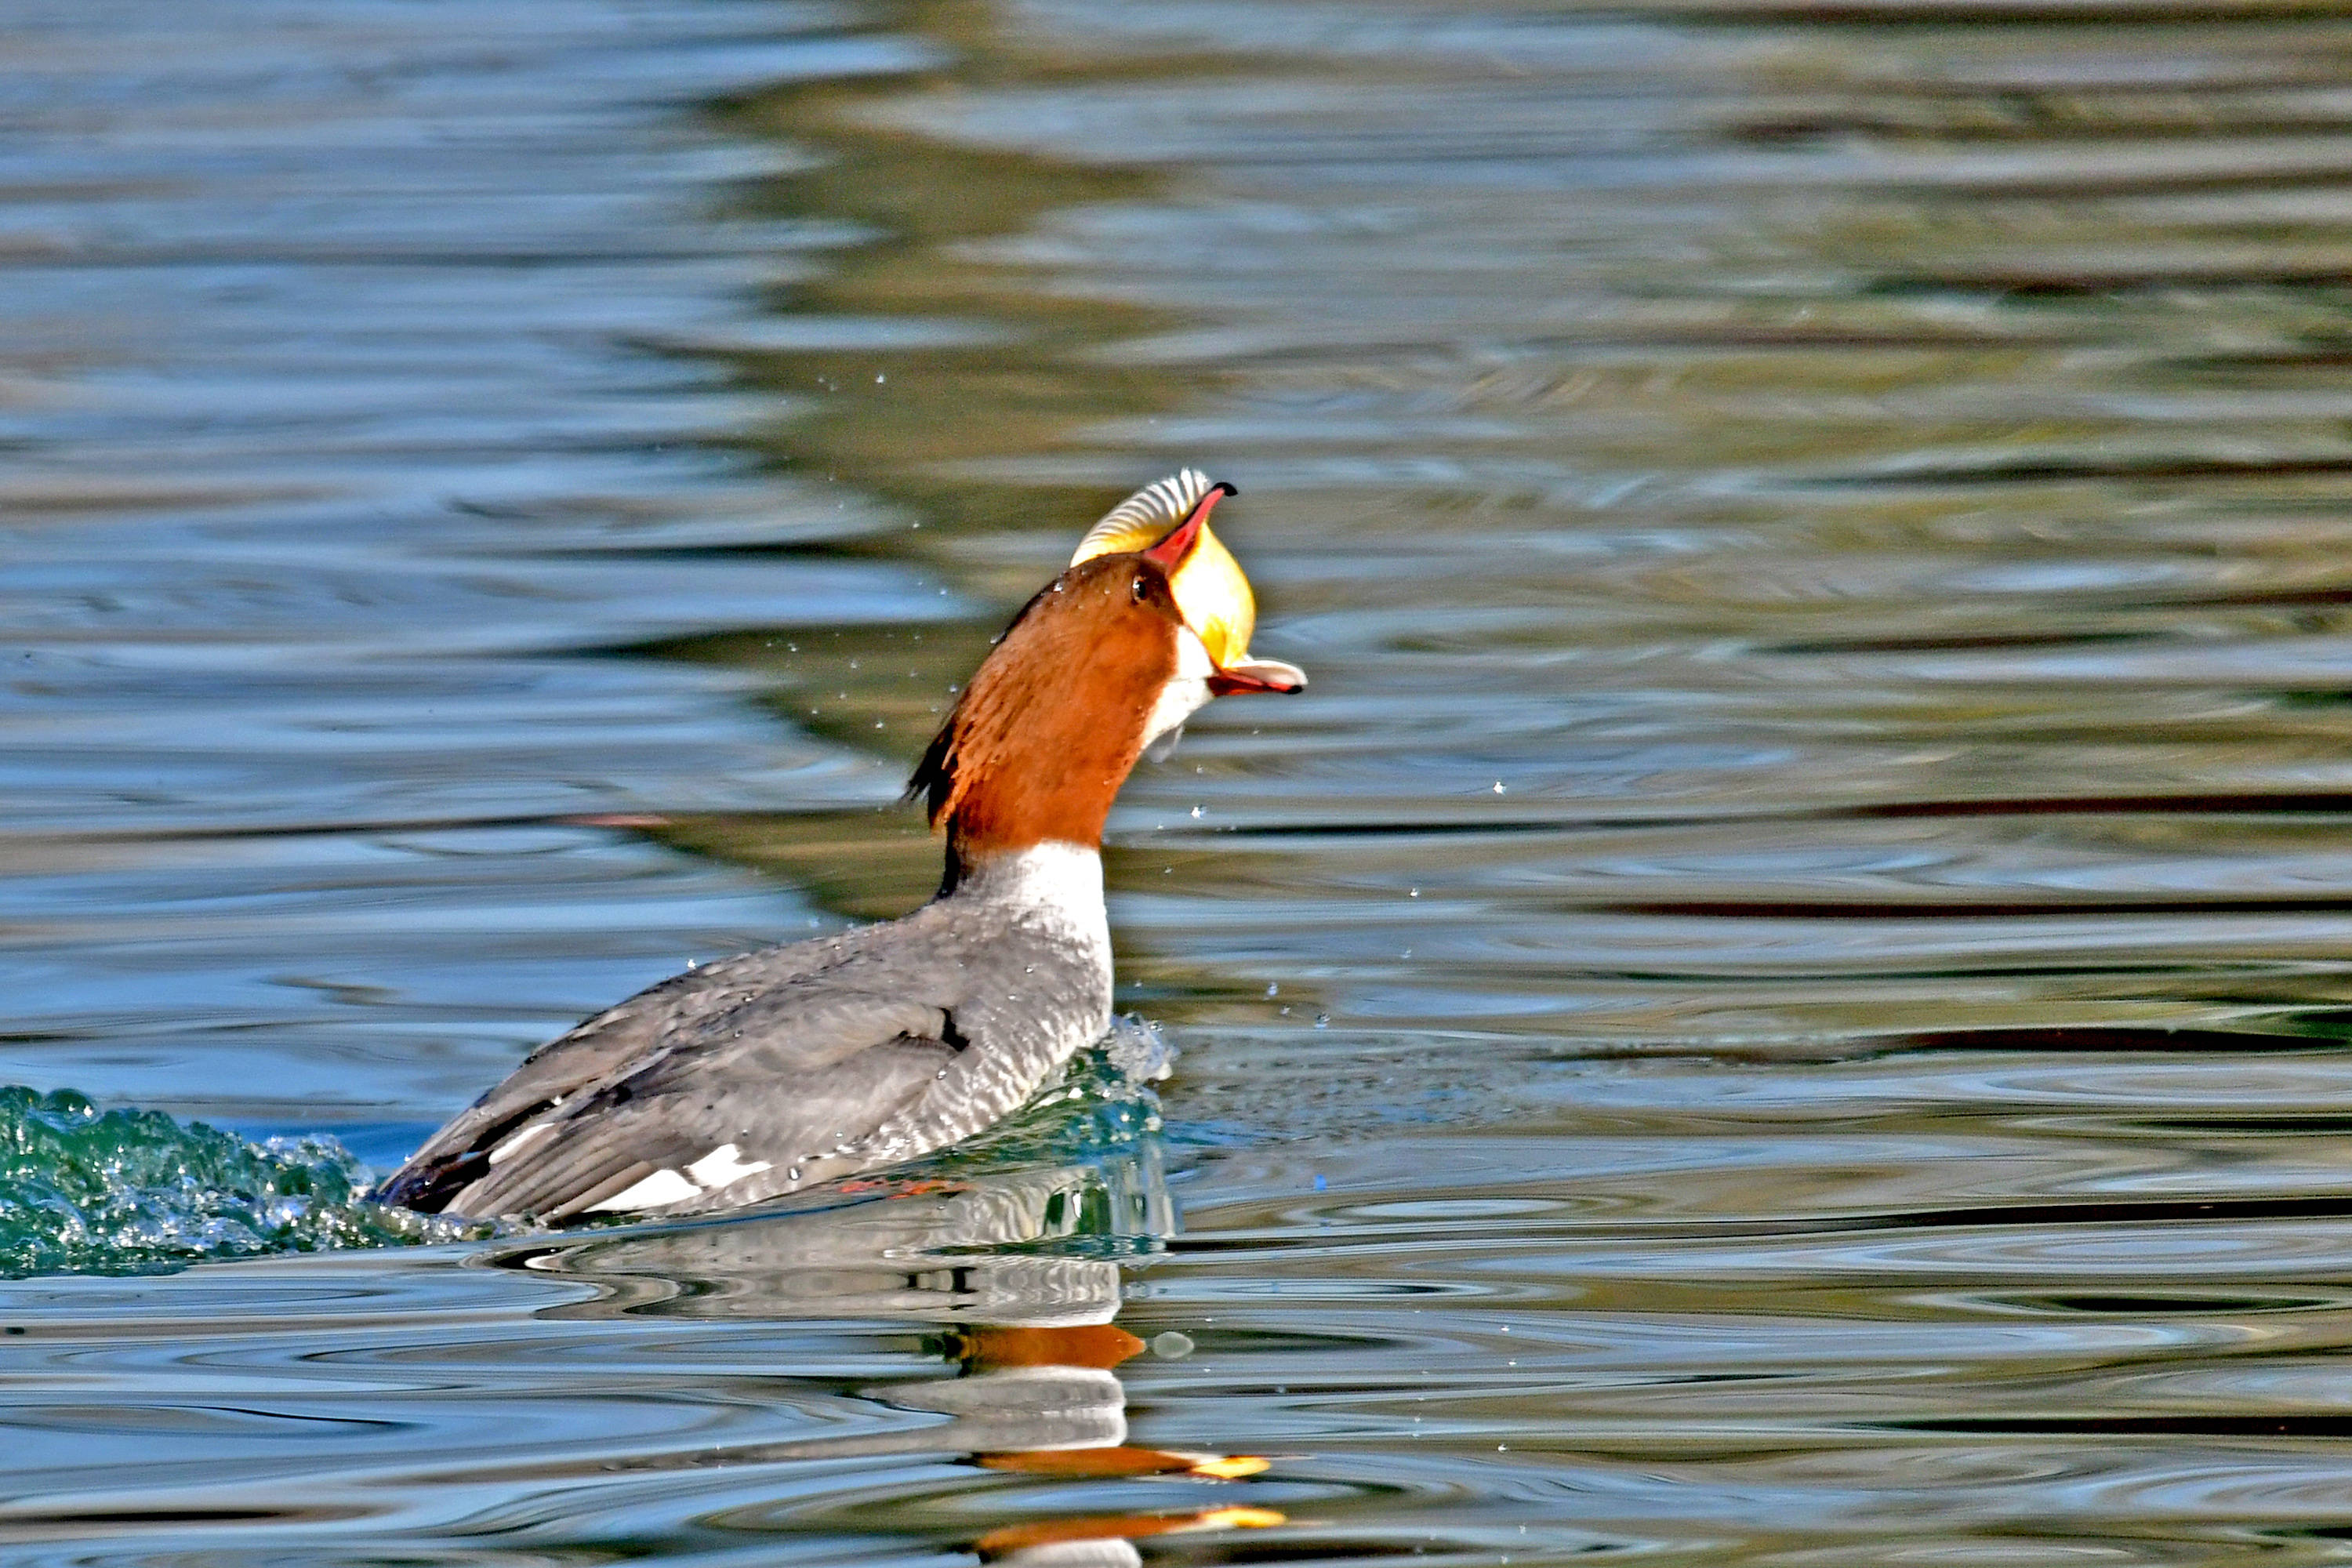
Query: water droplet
x=1199, y=811
x=1171, y=1345
x=1274, y=990
x=1499, y=787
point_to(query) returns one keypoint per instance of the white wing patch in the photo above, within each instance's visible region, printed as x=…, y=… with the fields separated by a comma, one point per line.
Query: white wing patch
x=661, y=1187
x=1143, y=517
x=722, y=1167
x=516, y=1143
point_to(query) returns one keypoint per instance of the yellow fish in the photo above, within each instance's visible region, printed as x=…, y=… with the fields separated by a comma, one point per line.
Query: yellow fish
x=1211, y=590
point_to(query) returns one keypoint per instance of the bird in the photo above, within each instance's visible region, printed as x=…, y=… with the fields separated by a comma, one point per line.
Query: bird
x=760, y=1075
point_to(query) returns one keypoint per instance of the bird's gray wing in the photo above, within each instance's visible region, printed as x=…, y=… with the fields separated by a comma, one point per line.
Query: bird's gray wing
x=598, y=1050
x=780, y=1076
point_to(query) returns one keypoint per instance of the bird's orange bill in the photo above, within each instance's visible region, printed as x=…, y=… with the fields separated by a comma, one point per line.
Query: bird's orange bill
x=1177, y=541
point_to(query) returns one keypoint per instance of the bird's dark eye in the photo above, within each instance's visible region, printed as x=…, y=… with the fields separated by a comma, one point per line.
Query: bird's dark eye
x=1135, y=590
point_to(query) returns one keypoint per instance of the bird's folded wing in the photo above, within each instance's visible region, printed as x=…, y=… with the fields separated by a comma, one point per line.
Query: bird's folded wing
x=630, y=1087
x=674, y=1150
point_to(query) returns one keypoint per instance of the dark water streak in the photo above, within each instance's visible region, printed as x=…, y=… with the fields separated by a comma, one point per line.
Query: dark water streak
x=1778, y=1002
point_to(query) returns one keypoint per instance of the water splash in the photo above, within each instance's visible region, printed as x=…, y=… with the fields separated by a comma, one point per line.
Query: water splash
x=85, y=1191
x=1102, y=1102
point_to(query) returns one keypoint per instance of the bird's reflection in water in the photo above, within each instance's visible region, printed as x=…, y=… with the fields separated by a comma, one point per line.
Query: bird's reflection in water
x=1022, y=1270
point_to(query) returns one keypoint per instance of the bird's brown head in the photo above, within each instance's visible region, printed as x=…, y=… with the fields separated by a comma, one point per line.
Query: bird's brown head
x=1093, y=671
x=1051, y=724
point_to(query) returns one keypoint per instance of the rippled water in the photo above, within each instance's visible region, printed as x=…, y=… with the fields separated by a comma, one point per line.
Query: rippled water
x=1778, y=1002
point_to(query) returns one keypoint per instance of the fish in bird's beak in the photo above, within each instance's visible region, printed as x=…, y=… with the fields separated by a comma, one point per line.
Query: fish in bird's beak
x=1169, y=522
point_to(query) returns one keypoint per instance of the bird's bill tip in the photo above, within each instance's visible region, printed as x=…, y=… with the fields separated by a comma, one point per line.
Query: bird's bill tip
x=1177, y=541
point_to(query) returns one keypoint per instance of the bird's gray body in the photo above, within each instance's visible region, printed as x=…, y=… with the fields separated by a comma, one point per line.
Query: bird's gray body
x=778, y=1070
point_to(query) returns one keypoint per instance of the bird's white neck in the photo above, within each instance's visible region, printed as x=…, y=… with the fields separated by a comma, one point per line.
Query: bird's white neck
x=1051, y=875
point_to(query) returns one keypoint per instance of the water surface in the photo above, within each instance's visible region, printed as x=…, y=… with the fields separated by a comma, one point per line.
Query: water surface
x=1778, y=1002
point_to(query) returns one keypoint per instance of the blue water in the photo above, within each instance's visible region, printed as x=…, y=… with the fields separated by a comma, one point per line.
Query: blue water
x=1778, y=1001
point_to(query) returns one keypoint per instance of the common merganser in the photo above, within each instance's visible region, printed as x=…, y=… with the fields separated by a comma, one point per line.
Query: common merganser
x=779, y=1069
